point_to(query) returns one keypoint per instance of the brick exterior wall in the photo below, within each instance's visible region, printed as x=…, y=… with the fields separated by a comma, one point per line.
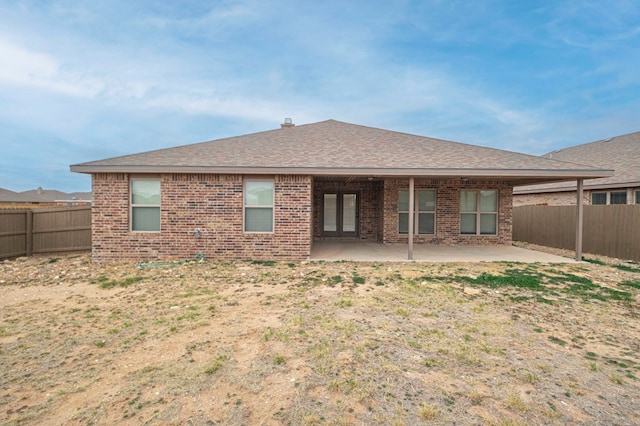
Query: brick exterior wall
x=211, y=203
x=550, y=199
x=447, y=228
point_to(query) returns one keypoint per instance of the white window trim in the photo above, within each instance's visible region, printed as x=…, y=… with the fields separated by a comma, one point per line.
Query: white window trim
x=479, y=213
x=272, y=206
x=417, y=212
x=132, y=206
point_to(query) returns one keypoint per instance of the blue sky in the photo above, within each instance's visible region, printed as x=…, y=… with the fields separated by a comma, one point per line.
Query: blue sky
x=87, y=80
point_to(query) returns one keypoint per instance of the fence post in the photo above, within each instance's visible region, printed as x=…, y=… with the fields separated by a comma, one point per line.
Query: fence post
x=411, y=218
x=579, y=219
x=29, y=235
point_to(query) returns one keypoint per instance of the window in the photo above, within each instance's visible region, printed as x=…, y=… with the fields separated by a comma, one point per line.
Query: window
x=424, y=212
x=479, y=212
x=613, y=197
x=619, y=197
x=637, y=197
x=258, y=205
x=598, y=198
x=145, y=205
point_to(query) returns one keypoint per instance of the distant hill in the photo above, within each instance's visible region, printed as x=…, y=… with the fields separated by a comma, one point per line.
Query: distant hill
x=40, y=195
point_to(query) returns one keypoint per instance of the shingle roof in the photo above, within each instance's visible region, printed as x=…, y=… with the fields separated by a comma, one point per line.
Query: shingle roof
x=621, y=153
x=41, y=196
x=337, y=148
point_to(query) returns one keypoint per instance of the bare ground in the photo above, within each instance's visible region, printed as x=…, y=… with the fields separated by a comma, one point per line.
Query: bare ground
x=318, y=343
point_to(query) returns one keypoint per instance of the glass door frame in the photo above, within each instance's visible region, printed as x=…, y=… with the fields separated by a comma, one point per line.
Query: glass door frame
x=339, y=232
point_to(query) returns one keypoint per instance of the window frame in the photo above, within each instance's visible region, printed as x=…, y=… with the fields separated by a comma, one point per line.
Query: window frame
x=133, y=206
x=246, y=206
x=611, y=194
x=417, y=212
x=479, y=213
x=608, y=197
x=339, y=231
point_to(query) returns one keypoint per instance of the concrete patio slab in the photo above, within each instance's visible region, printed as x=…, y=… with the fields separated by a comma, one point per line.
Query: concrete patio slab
x=378, y=252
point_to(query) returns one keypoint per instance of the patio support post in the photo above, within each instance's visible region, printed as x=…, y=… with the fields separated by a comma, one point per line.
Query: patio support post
x=579, y=219
x=411, y=218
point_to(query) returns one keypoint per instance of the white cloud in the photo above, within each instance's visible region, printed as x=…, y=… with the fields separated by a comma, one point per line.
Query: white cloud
x=232, y=106
x=347, y=78
x=594, y=25
x=22, y=66
x=28, y=68
x=108, y=71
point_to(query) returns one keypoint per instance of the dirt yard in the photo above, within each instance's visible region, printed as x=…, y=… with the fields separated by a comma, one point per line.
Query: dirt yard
x=340, y=343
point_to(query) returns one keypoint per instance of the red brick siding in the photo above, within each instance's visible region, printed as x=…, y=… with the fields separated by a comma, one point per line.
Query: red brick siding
x=213, y=204
x=210, y=203
x=447, y=211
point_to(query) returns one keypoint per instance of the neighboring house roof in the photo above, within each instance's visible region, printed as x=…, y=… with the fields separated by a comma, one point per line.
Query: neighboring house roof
x=41, y=196
x=334, y=148
x=621, y=153
x=6, y=194
x=85, y=196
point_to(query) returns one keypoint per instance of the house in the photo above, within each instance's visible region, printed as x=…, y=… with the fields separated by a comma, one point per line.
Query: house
x=42, y=198
x=621, y=153
x=270, y=195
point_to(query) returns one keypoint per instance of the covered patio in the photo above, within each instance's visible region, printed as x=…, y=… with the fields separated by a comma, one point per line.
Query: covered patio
x=365, y=251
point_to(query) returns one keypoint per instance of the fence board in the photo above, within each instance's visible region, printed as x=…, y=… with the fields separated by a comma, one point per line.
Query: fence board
x=66, y=229
x=609, y=230
x=13, y=233
x=24, y=232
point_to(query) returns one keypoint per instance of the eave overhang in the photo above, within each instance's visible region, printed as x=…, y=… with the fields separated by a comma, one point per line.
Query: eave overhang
x=527, y=175
x=570, y=188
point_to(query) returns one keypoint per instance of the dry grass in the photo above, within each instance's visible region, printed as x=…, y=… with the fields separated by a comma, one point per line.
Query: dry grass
x=306, y=343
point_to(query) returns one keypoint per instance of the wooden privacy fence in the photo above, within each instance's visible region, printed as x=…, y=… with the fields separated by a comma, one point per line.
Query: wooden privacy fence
x=27, y=232
x=608, y=230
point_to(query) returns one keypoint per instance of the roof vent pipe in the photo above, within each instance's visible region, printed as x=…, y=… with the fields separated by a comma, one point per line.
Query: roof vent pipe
x=287, y=123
